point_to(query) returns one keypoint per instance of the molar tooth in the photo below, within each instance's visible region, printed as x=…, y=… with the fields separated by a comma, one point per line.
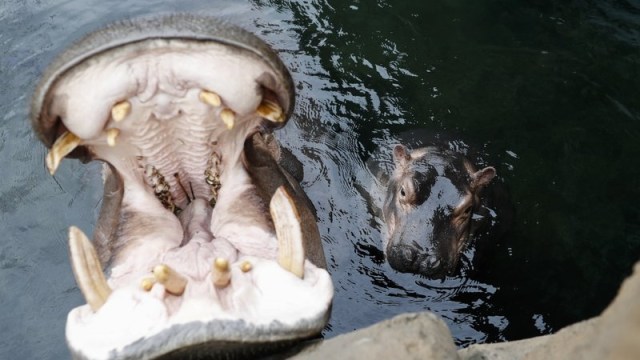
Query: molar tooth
x=120, y=110
x=87, y=270
x=61, y=148
x=270, y=111
x=220, y=273
x=228, y=117
x=173, y=282
x=246, y=266
x=210, y=98
x=112, y=135
x=287, y=223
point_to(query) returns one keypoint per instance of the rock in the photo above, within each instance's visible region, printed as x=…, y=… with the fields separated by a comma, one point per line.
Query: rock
x=615, y=334
x=407, y=336
x=540, y=347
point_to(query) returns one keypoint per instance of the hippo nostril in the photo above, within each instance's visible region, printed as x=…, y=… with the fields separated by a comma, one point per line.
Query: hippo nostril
x=429, y=265
x=408, y=254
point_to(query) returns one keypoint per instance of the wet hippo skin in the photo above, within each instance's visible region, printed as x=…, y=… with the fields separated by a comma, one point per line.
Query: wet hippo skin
x=205, y=245
x=437, y=202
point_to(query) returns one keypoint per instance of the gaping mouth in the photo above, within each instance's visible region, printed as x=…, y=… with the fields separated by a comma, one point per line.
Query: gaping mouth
x=206, y=240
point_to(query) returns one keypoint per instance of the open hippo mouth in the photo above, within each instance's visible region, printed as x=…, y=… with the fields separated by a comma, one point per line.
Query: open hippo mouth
x=208, y=245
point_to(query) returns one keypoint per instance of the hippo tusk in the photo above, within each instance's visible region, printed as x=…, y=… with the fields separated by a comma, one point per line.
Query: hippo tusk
x=87, y=270
x=65, y=144
x=271, y=111
x=287, y=224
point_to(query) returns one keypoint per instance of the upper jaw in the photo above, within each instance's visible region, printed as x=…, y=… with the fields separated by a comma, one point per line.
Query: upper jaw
x=171, y=107
x=201, y=29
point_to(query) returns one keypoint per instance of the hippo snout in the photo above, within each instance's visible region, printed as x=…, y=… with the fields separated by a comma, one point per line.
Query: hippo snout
x=407, y=258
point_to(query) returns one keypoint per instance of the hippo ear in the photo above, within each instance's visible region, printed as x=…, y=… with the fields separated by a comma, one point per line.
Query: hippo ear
x=401, y=155
x=482, y=178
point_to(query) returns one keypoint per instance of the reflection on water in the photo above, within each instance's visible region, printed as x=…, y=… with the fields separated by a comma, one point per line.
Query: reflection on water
x=546, y=92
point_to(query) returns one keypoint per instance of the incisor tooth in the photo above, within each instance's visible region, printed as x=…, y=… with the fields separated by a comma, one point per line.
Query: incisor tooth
x=270, y=111
x=147, y=283
x=173, y=282
x=120, y=110
x=220, y=274
x=246, y=266
x=61, y=148
x=228, y=118
x=210, y=98
x=87, y=270
x=287, y=223
x=112, y=135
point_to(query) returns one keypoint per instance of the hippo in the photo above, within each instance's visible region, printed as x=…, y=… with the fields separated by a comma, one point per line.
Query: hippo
x=436, y=202
x=205, y=245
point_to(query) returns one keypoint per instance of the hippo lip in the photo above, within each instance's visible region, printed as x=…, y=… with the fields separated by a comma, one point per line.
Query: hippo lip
x=199, y=247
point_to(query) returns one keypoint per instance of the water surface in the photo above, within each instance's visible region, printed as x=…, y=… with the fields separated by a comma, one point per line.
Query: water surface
x=547, y=93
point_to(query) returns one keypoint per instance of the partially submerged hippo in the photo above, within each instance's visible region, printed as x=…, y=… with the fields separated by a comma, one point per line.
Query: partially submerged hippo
x=208, y=245
x=434, y=206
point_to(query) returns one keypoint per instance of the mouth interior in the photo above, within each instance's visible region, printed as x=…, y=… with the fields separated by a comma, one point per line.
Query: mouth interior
x=193, y=242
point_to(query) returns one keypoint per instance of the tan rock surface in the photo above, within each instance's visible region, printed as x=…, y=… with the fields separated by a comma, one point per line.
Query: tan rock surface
x=408, y=336
x=614, y=335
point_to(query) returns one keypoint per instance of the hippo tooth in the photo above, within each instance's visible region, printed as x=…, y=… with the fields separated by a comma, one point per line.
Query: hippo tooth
x=270, y=111
x=147, y=283
x=173, y=282
x=61, y=148
x=120, y=110
x=112, y=135
x=87, y=270
x=246, y=266
x=228, y=117
x=210, y=98
x=287, y=223
x=220, y=273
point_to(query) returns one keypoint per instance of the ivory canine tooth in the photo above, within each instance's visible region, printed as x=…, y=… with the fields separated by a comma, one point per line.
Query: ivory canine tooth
x=228, y=117
x=246, y=266
x=211, y=98
x=120, y=110
x=87, y=269
x=220, y=272
x=61, y=148
x=112, y=135
x=173, y=282
x=270, y=111
x=287, y=223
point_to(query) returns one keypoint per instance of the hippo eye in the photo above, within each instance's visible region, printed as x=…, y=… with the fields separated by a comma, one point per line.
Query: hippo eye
x=468, y=210
x=402, y=193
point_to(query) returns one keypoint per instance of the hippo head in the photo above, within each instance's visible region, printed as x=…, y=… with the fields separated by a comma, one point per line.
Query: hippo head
x=205, y=246
x=431, y=209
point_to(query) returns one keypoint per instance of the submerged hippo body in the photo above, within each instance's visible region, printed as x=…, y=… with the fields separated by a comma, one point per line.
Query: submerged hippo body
x=436, y=203
x=205, y=245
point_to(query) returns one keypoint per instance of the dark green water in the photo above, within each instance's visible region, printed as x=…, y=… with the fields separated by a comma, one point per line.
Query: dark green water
x=548, y=94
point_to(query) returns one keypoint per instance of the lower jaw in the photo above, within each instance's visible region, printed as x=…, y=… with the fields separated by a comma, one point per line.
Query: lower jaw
x=254, y=299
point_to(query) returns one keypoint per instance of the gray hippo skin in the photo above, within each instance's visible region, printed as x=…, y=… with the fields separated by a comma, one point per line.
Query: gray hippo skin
x=205, y=246
x=433, y=207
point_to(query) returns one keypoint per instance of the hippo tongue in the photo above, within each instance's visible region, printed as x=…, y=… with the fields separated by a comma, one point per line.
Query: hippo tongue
x=197, y=254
